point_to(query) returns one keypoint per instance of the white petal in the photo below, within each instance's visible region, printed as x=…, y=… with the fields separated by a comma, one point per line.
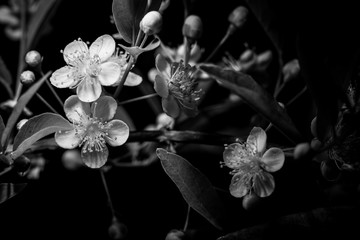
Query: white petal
x=95, y=159
x=118, y=133
x=103, y=46
x=62, y=78
x=104, y=108
x=163, y=66
x=89, y=90
x=67, y=139
x=75, y=50
x=109, y=74
x=273, y=159
x=239, y=186
x=76, y=110
x=264, y=184
x=133, y=80
x=257, y=138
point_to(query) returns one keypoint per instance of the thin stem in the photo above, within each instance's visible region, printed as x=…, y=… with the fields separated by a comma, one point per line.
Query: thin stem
x=223, y=40
x=138, y=98
x=46, y=103
x=144, y=40
x=107, y=192
x=187, y=51
x=296, y=96
x=54, y=92
x=187, y=218
x=123, y=78
x=6, y=170
x=23, y=46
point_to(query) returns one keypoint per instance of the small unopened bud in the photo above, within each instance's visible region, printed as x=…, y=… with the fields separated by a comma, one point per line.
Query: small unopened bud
x=247, y=56
x=263, y=60
x=192, y=28
x=151, y=23
x=175, y=235
x=27, y=77
x=117, y=230
x=251, y=201
x=238, y=16
x=71, y=159
x=291, y=70
x=33, y=58
x=315, y=144
x=164, y=5
x=163, y=120
x=21, y=123
x=301, y=150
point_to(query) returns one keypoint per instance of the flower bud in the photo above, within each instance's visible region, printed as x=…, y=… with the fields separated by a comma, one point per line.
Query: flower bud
x=71, y=159
x=27, y=77
x=238, y=16
x=263, y=60
x=175, y=235
x=151, y=23
x=192, y=28
x=247, y=56
x=21, y=123
x=163, y=120
x=315, y=144
x=251, y=201
x=301, y=150
x=164, y=5
x=291, y=70
x=117, y=230
x=33, y=58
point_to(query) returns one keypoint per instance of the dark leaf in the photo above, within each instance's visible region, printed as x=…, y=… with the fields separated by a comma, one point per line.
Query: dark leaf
x=36, y=128
x=4, y=72
x=9, y=190
x=256, y=96
x=195, y=187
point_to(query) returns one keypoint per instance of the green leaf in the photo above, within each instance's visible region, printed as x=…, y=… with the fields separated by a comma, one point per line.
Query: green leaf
x=9, y=190
x=256, y=96
x=36, y=128
x=195, y=187
x=38, y=19
x=128, y=14
x=19, y=107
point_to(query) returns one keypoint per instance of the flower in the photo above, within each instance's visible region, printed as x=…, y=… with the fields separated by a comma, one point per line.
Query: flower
x=93, y=127
x=88, y=68
x=251, y=166
x=176, y=85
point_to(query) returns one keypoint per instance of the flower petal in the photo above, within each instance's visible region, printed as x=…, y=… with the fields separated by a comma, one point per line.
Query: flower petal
x=133, y=80
x=163, y=66
x=95, y=159
x=264, y=184
x=257, y=138
x=239, y=186
x=76, y=110
x=104, y=108
x=161, y=86
x=273, y=159
x=170, y=106
x=109, y=74
x=62, y=78
x=103, y=46
x=68, y=139
x=75, y=50
x=118, y=133
x=89, y=90
x=235, y=155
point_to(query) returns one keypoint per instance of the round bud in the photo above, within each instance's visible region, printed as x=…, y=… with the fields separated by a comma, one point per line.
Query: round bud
x=301, y=150
x=238, y=16
x=27, y=77
x=264, y=59
x=71, y=159
x=33, y=58
x=151, y=23
x=175, y=235
x=163, y=120
x=291, y=70
x=117, y=230
x=251, y=201
x=247, y=56
x=22, y=164
x=21, y=123
x=315, y=144
x=192, y=28
x=164, y=5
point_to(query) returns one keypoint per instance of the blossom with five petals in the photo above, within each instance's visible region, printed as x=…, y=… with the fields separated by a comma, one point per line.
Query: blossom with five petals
x=252, y=165
x=175, y=83
x=93, y=127
x=88, y=68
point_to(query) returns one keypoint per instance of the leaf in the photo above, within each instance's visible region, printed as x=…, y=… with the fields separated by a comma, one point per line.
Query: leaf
x=128, y=14
x=196, y=189
x=37, y=128
x=9, y=190
x=4, y=72
x=19, y=107
x=37, y=20
x=256, y=96
x=2, y=127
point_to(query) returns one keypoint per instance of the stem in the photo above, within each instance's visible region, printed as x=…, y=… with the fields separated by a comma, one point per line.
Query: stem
x=54, y=92
x=138, y=98
x=144, y=40
x=6, y=170
x=124, y=76
x=230, y=31
x=46, y=103
x=187, y=51
x=107, y=192
x=296, y=96
x=187, y=218
x=23, y=46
